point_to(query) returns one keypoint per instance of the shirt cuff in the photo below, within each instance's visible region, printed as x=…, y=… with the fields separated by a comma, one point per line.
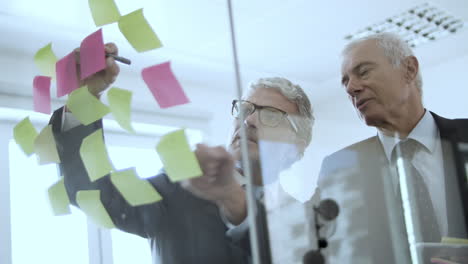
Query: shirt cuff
x=237, y=232
x=69, y=121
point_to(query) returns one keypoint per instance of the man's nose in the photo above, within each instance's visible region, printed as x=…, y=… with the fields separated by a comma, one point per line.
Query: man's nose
x=353, y=87
x=252, y=120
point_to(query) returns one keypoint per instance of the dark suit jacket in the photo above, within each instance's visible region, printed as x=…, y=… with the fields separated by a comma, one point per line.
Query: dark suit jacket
x=370, y=227
x=182, y=228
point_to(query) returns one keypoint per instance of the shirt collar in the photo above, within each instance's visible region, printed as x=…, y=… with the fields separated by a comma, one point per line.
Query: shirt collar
x=425, y=132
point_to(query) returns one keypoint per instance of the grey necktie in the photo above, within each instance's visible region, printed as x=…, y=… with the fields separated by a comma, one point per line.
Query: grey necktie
x=420, y=200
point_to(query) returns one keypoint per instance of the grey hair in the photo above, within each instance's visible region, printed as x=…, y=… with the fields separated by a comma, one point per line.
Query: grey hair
x=394, y=47
x=295, y=94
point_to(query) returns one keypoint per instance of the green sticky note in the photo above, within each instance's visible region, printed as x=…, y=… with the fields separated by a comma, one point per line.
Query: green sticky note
x=94, y=155
x=58, y=198
x=45, y=147
x=24, y=134
x=179, y=161
x=86, y=107
x=119, y=104
x=104, y=11
x=138, y=32
x=45, y=60
x=136, y=191
x=454, y=240
x=90, y=203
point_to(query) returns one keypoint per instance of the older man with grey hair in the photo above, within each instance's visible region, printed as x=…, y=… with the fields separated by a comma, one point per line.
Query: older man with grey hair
x=408, y=166
x=192, y=222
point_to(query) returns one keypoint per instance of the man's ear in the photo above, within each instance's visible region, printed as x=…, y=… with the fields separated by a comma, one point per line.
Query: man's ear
x=300, y=145
x=411, y=65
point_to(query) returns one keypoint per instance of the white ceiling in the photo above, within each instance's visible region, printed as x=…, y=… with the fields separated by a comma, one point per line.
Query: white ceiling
x=298, y=39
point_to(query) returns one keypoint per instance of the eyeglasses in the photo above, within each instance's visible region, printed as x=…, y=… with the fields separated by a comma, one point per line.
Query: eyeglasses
x=268, y=115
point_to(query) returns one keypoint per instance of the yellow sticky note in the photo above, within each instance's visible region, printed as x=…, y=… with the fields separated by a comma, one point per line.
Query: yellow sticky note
x=119, y=104
x=454, y=240
x=58, y=198
x=94, y=155
x=138, y=32
x=179, y=161
x=86, y=107
x=90, y=203
x=24, y=134
x=136, y=191
x=45, y=60
x=104, y=11
x=45, y=147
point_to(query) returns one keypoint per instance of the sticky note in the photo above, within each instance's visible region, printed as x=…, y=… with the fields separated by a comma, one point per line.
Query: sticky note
x=45, y=60
x=104, y=11
x=86, y=107
x=119, y=104
x=438, y=260
x=454, y=240
x=179, y=161
x=41, y=94
x=138, y=32
x=45, y=147
x=67, y=79
x=90, y=203
x=164, y=85
x=94, y=155
x=92, y=54
x=58, y=198
x=24, y=134
x=136, y=191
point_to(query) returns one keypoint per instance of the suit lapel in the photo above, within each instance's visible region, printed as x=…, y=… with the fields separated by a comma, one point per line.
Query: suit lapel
x=448, y=135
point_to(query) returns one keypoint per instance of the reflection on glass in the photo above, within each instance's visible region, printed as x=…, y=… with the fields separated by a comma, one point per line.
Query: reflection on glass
x=37, y=235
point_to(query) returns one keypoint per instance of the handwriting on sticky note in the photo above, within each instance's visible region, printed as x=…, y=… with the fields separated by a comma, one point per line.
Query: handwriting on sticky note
x=45, y=60
x=67, y=79
x=58, y=198
x=119, y=104
x=86, y=107
x=94, y=155
x=41, y=94
x=104, y=12
x=138, y=32
x=179, y=161
x=24, y=134
x=45, y=147
x=164, y=86
x=92, y=54
x=90, y=203
x=136, y=191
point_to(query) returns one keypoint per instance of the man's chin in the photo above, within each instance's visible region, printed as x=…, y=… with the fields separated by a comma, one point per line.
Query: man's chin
x=372, y=119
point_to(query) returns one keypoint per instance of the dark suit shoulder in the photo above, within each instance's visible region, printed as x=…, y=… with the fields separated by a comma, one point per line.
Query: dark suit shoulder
x=448, y=127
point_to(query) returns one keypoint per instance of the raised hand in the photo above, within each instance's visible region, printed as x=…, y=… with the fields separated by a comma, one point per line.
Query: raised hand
x=101, y=80
x=217, y=184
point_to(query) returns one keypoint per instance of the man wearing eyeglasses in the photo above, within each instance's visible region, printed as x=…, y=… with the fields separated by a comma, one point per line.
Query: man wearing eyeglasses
x=198, y=221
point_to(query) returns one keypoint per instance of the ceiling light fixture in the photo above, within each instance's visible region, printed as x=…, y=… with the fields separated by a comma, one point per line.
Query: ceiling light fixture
x=416, y=26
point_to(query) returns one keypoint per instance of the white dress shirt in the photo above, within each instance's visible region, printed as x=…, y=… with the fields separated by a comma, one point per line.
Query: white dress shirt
x=428, y=161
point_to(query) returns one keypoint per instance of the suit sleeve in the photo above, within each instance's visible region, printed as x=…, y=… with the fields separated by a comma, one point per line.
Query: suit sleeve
x=145, y=220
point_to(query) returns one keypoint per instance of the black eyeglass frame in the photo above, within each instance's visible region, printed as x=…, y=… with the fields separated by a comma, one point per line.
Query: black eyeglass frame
x=260, y=107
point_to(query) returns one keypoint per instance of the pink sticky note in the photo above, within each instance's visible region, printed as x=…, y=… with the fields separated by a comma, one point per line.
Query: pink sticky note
x=66, y=75
x=92, y=54
x=164, y=86
x=41, y=94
